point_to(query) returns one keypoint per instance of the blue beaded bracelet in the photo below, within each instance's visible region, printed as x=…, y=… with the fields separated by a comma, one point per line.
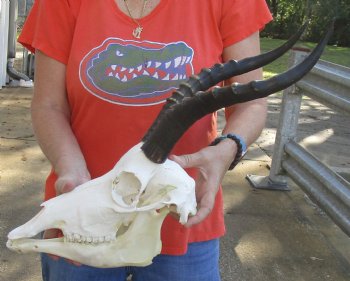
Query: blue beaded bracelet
x=241, y=147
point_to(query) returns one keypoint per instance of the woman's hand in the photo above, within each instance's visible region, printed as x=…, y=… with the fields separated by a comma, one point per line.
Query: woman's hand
x=212, y=163
x=68, y=181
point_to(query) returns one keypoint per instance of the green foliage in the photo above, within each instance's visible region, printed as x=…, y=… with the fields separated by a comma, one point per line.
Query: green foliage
x=338, y=55
x=290, y=14
x=277, y=66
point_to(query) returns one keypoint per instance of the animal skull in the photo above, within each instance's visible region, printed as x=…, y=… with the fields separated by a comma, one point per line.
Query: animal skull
x=113, y=220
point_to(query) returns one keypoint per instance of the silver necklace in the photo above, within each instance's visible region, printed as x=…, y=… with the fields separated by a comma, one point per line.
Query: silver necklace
x=137, y=31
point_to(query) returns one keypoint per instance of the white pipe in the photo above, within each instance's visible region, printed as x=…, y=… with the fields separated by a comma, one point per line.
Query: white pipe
x=4, y=30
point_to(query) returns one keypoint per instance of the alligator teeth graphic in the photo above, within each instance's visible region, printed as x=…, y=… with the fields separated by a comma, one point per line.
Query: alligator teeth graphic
x=135, y=73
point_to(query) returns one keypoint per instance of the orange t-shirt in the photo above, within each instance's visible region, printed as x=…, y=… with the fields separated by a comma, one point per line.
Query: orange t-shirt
x=117, y=84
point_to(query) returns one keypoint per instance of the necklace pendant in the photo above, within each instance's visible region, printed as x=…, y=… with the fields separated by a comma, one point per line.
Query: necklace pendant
x=137, y=32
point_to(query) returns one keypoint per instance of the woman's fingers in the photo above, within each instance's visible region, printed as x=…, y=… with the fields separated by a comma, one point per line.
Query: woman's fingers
x=206, y=195
x=68, y=182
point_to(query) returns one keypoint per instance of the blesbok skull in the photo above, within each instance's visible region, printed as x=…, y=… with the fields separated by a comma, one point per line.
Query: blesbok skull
x=115, y=220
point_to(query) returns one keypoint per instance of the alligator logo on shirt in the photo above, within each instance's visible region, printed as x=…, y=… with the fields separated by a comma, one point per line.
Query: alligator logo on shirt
x=135, y=73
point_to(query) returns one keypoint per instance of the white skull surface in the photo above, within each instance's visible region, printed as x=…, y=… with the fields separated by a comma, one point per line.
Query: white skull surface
x=113, y=220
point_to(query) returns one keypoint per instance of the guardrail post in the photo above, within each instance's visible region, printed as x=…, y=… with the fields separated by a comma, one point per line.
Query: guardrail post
x=286, y=131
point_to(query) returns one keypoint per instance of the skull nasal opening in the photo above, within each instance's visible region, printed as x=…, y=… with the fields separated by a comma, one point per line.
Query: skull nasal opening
x=127, y=187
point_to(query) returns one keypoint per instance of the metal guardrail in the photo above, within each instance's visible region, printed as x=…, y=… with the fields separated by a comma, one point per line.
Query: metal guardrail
x=328, y=84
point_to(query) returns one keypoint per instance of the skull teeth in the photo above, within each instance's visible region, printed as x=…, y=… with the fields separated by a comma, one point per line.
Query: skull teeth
x=77, y=238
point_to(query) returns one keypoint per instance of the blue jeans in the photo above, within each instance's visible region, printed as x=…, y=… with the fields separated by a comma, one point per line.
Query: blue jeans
x=200, y=263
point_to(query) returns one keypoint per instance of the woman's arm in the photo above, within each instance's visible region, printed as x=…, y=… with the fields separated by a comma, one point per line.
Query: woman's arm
x=246, y=120
x=51, y=123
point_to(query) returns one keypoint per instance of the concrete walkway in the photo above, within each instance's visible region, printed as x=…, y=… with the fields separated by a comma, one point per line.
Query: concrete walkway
x=270, y=235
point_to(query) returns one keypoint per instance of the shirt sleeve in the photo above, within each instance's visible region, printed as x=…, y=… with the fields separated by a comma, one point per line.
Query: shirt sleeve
x=49, y=28
x=241, y=18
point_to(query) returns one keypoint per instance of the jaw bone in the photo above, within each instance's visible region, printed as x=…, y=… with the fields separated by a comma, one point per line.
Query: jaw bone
x=135, y=247
x=113, y=220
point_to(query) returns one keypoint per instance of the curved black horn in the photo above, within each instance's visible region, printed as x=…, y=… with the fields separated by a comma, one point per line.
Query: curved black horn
x=209, y=77
x=181, y=115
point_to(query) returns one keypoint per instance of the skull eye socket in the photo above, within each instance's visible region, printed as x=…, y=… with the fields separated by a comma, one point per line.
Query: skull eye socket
x=154, y=194
x=127, y=186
